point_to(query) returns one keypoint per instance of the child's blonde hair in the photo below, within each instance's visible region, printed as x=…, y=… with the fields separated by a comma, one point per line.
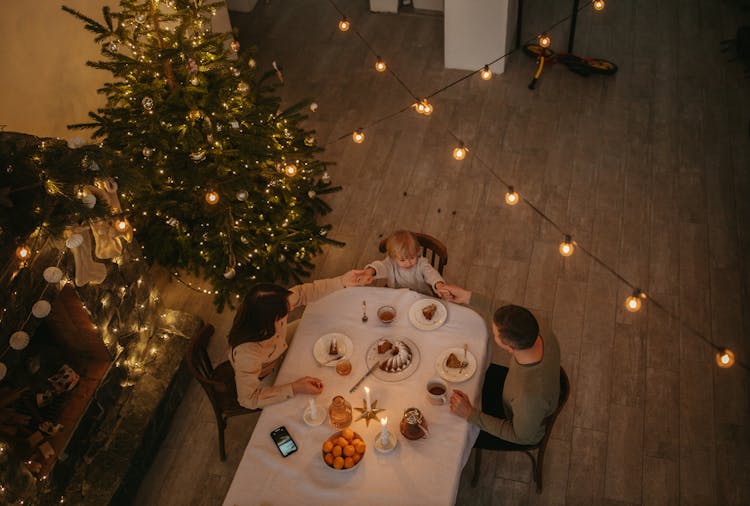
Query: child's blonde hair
x=402, y=244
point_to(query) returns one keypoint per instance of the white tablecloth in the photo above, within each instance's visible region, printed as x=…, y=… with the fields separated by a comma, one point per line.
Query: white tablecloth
x=426, y=471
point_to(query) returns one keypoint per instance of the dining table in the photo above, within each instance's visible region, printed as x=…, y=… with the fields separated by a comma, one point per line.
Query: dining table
x=421, y=471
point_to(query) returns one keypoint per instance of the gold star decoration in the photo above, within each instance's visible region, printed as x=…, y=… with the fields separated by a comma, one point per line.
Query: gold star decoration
x=368, y=415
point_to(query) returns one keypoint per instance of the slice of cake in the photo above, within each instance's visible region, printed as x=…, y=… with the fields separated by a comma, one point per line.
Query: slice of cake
x=333, y=348
x=453, y=362
x=384, y=345
x=429, y=311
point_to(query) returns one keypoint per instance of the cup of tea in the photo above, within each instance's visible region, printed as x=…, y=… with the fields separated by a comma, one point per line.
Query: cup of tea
x=386, y=314
x=437, y=391
x=343, y=367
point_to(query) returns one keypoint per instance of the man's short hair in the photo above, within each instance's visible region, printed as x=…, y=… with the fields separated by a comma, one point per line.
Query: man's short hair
x=517, y=326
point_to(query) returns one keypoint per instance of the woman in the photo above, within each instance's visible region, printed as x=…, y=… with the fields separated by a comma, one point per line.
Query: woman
x=260, y=334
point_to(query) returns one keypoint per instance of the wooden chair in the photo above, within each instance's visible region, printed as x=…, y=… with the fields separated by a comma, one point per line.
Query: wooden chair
x=217, y=382
x=536, y=464
x=432, y=249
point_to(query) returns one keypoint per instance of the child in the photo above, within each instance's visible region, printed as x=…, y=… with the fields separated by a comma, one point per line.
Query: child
x=404, y=267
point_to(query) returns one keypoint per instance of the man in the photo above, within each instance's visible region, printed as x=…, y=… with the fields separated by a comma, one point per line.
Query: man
x=515, y=399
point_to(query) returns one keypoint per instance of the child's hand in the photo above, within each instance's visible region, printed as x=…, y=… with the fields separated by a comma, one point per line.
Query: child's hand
x=358, y=277
x=455, y=293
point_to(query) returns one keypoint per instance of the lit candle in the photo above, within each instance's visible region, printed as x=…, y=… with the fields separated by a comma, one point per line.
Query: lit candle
x=367, y=399
x=313, y=414
x=384, y=433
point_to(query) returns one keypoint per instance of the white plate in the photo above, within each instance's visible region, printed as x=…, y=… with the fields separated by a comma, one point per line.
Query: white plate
x=374, y=357
x=456, y=375
x=418, y=320
x=323, y=344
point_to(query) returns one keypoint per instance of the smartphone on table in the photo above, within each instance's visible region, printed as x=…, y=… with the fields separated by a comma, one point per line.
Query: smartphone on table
x=284, y=441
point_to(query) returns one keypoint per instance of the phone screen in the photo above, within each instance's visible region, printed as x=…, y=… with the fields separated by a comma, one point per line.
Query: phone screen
x=284, y=441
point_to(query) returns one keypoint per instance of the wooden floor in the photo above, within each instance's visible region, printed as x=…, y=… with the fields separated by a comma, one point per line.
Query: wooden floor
x=649, y=169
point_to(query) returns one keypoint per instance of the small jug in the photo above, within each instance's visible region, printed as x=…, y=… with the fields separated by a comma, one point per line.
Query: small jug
x=413, y=425
x=340, y=413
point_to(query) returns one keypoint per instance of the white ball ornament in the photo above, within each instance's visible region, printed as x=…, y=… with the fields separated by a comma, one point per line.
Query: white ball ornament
x=89, y=200
x=314, y=106
x=242, y=195
x=52, y=274
x=19, y=340
x=311, y=194
x=326, y=178
x=41, y=308
x=73, y=241
x=230, y=273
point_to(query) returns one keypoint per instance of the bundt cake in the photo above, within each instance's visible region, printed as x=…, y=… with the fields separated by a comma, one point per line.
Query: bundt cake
x=399, y=356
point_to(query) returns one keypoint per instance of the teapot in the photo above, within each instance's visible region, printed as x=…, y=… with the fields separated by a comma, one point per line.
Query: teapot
x=413, y=425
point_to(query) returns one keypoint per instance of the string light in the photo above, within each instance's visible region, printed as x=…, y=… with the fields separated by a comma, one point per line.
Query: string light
x=486, y=74
x=122, y=224
x=544, y=40
x=23, y=252
x=566, y=247
x=380, y=65
x=344, y=24
x=212, y=197
x=459, y=152
x=598, y=5
x=633, y=303
x=511, y=197
x=291, y=169
x=358, y=136
x=725, y=358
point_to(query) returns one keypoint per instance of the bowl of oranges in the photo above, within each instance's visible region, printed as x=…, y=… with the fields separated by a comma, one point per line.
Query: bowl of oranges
x=344, y=450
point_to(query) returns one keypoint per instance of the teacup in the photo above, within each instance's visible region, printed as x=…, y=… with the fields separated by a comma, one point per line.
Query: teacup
x=386, y=314
x=437, y=391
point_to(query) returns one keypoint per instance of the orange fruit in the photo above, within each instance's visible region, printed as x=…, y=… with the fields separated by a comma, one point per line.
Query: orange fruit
x=347, y=434
x=348, y=462
x=356, y=457
x=360, y=447
x=348, y=451
x=329, y=459
x=355, y=442
x=338, y=463
x=342, y=442
x=337, y=451
x=327, y=446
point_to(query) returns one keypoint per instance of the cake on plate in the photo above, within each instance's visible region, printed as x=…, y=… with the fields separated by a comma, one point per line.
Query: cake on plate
x=429, y=311
x=453, y=362
x=398, y=355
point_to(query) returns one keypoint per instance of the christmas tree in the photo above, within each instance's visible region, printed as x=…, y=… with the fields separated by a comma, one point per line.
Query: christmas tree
x=217, y=179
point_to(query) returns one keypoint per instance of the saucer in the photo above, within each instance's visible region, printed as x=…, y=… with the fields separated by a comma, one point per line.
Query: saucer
x=389, y=446
x=321, y=415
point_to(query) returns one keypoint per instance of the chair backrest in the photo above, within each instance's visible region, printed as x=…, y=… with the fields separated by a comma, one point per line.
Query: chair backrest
x=432, y=249
x=564, y=394
x=199, y=363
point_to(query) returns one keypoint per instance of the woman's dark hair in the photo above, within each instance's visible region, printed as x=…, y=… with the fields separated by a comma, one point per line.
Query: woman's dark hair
x=517, y=326
x=256, y=317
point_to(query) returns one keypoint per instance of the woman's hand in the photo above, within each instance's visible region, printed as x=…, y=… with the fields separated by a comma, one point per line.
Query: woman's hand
x=357, y=277
x=460, y=404
x=307, y=385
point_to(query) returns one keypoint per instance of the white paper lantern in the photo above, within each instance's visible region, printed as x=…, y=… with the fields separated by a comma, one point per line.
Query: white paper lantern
x=89, y=200
x=41, y=308
x=19, y=340
x=3, y=370
x=52, y=274
x=74, y=241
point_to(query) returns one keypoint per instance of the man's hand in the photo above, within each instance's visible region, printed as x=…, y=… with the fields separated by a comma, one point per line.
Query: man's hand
x=356, y=277
x=455, y=293
x=460, y=404
x=307, y=385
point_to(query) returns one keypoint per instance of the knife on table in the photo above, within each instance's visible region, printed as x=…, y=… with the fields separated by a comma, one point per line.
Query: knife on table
x=356, y=385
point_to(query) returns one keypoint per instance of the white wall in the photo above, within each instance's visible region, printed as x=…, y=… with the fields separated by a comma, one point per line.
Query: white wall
x=45, y=82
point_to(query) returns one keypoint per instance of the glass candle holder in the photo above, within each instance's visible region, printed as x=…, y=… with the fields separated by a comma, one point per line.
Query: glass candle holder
x=340, y=413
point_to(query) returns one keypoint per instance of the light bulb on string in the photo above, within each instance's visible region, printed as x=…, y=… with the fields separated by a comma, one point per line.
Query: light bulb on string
x=544, y=40
x=344, y=24
x=598, y=5
x=566, y=247
x=212, y=197
x=725, y=358
x=459, y=152
x=122, y=224
x=427, y=108
x=380, y=65
x=290, y=169
x=358, y=136
x=511, y=197
x=23, y=252
x=633, y=303
x=486, y=73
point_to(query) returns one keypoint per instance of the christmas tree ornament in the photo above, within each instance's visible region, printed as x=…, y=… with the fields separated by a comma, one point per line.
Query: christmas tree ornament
x=106, y=190
x=242, y=87
x=41, y=308
x=310, y=140
x=251, y=63
x=235, y=71
x=89, y=200
x=234, y=124
x=235, y=45
x=198, y=156
x=192, y=66
x=173, y=222
x=87, y=270
x=52, y=275
x=19, y=340
x=112, y=46
x=140, y=18
x=194, y=115
x=230, y=273
x=314, y=106
x=147, y=103
x=282, y=258
x=277, y=69
x=311, y=194
x=74, y=241
x=244, y=239
x=326, y=178
x=241, y=195
x=323, y=232
x=194, y=80
x=106, y=242
x=147, y=152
